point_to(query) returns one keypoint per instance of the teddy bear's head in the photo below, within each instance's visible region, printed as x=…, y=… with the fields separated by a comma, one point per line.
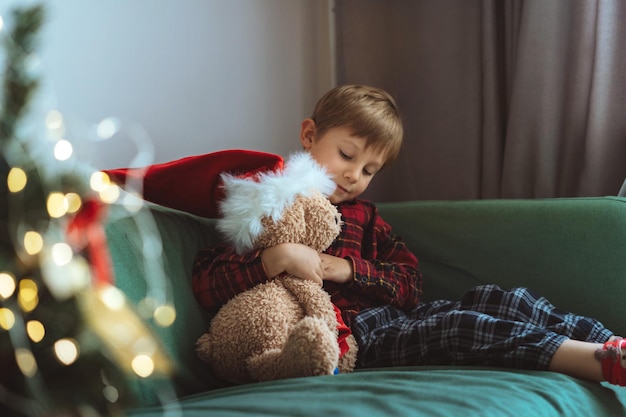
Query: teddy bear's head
x=277, y=207
x=310, y=220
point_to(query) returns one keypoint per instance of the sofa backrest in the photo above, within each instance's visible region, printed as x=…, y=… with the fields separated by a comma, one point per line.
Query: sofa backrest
x=570, y=250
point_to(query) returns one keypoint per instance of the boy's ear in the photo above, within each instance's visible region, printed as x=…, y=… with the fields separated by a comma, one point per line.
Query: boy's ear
x=307, y=132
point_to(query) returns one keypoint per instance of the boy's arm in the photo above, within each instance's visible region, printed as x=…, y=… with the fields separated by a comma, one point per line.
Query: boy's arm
x=383, y=269
x=219, y=274
x=391, y=278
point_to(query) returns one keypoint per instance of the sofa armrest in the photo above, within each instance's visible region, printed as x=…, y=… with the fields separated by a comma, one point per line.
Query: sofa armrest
x=152, y=253
x=570, y=250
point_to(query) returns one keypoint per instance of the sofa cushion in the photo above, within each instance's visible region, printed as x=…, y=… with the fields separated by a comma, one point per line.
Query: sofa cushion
x=416, y=392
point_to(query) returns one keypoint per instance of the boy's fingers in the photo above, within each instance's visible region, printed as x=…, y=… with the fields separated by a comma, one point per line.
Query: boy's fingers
x=317, y=278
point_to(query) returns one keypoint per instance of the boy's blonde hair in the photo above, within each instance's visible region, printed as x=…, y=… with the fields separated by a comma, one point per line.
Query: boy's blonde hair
x=370, y=113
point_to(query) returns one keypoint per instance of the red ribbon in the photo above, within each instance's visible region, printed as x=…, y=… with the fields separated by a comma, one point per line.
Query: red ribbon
x=344, y=332
x=85, y=232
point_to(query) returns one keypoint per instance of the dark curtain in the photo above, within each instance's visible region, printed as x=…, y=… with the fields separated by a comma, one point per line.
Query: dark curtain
x=500, y=98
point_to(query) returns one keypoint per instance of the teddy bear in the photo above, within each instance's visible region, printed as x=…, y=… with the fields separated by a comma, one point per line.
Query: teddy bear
x=286, y=327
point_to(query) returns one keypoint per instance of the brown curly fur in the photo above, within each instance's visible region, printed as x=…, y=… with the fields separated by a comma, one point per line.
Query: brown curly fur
x=286, y=327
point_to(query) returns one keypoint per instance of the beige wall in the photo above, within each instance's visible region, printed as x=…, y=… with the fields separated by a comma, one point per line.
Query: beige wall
x=184, y=77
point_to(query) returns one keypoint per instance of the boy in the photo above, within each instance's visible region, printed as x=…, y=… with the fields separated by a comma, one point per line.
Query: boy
x=373, y=278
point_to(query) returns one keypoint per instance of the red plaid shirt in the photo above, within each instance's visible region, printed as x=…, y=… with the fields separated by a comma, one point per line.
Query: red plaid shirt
x=385, y=271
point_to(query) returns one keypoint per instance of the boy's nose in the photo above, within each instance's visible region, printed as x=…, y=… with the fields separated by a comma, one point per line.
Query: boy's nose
x=352, y=174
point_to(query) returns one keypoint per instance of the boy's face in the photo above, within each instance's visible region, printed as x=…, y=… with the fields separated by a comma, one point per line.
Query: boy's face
x=345, y=157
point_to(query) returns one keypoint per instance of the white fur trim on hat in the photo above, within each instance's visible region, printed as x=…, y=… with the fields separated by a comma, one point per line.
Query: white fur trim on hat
x=248, y=200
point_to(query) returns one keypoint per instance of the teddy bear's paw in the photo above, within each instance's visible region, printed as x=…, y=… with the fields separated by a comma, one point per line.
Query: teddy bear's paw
x=266, y=366
x=312, y=348
x=203, y=347
x=347, y=362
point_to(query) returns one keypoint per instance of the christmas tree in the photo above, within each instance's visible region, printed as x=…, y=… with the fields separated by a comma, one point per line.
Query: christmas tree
x=60, y=350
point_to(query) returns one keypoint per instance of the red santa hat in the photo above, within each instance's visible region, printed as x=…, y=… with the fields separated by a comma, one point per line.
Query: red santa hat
x=193, y=184
x=238, y=186
x=266, y=194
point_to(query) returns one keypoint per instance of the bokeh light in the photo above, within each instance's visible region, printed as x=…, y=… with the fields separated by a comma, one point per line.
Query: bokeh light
x=16, y=180
x=36, y=330
x=165, y=315
x=63, y=150
x=111, y=393
x=57, y=205
x=99, y=181
x=7, y=318
x=74, y=202
x=110, y=194
x=143, y=365
x=26, y=362
x=61, y=253
x=28, y=296
x=54, y=120
x=7, y=285
x=107, y=128
x=33, y=242
x=66, y=351
x=113, y=298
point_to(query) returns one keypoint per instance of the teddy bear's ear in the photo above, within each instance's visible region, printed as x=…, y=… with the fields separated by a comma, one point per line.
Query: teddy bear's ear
x=267, y=195
x=289, y=228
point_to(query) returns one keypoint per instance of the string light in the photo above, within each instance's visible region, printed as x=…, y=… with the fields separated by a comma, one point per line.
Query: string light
x=74, y=202
x=99, y=181
x=63, y=150
x=143, y=365
x=28, y=296
x=57, y=205
x=65, y=280
x=54, y=120
x=56, y=127
x=66, y=351
x=61, y=253
x=33, y=242
x=123, y=332
x=110, y=194
x=36, y=330
x=165, y=315
x=107, y=128
x=7, y=318
x=16, y=180
x=111, y=393
x=7, y=285
x=112, y=297
x=26, y=362
x=127, y=338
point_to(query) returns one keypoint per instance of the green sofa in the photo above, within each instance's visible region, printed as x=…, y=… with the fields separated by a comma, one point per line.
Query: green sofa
x=573, y=251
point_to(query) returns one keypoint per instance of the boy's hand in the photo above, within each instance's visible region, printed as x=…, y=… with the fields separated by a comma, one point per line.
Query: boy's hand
x=336, y=269
x=295, y=259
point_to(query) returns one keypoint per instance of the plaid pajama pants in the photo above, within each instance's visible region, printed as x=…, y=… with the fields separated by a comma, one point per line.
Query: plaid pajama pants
x=487, y=327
